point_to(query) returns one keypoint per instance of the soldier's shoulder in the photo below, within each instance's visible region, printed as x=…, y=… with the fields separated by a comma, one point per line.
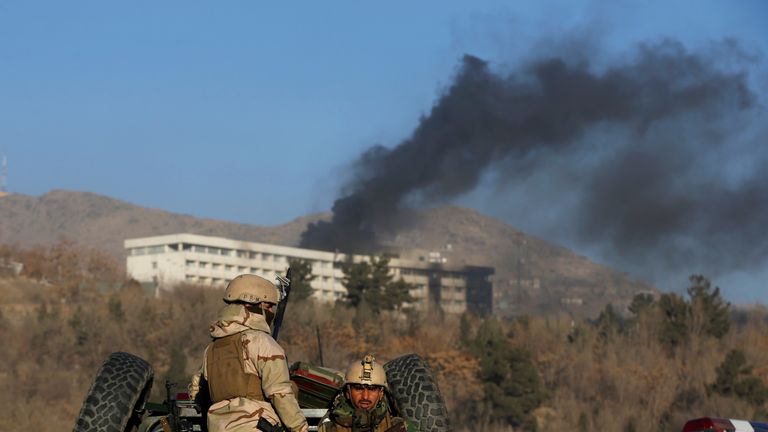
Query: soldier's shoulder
x=263, y=343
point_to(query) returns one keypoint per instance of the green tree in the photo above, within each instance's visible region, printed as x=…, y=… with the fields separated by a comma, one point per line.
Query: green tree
x=735, y=379
x=396, y=293
x=301, y=279
x=675, y=312
x=371, y=285
x=465, y=329
x=710, y=314
x=513, y=388
x=115, y=308
x=609, y=323
x=357, y=281
x=640, y=302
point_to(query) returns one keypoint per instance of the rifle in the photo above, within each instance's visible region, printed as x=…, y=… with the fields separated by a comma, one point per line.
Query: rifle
x=284, y=286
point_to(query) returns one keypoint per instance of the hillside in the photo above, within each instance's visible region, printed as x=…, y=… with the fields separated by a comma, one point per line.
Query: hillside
x=102, y=222
x=532, y=275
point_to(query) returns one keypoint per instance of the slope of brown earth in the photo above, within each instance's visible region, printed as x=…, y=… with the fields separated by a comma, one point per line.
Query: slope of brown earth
x=102, y=222
x=532, y=275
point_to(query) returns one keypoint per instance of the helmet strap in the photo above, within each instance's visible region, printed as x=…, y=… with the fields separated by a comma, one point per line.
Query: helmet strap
x=256, y=308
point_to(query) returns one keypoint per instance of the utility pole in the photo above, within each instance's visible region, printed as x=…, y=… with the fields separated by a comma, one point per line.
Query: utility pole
x=4, y=175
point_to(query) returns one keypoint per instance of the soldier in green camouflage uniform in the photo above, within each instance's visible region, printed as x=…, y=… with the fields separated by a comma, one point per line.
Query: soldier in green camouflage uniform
x=362, y=405
x=244, y=367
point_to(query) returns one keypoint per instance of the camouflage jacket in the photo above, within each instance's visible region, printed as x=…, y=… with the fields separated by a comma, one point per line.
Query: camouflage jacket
x=343, y=417
x=264, y=358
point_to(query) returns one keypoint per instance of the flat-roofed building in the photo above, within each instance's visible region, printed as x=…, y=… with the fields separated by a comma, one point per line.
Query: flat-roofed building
x=170, y=260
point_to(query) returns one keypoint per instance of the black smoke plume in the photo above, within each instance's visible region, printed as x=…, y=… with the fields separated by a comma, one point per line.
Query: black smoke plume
x=641, y=149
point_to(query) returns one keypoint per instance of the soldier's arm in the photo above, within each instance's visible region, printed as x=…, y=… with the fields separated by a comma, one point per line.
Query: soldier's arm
x=276, y=383
x=194, y=385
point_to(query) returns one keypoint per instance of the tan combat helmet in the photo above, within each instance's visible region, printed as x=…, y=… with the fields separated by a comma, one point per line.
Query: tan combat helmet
x=367, y=371
x=251, y=289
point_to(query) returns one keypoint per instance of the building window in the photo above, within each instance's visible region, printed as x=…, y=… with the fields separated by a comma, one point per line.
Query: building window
x=190, y=263
x=151, y=250
x=242, y=253
x=228, y=267
x=215, y=266
x=154, y=264
x=254, y=270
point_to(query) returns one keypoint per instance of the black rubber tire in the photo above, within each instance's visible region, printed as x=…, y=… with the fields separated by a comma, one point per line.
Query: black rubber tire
x=117, y=396
x=415, y=390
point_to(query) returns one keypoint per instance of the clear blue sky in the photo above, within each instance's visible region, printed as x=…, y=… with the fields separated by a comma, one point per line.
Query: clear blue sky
x=249, y=111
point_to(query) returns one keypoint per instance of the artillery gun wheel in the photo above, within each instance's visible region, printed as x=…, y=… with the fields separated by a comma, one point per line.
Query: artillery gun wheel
x=416, y=393
x=116, y=398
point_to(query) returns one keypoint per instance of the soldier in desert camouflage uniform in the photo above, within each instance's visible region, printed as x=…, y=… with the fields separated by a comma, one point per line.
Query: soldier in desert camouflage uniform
x=362, y=405
x=244, y=367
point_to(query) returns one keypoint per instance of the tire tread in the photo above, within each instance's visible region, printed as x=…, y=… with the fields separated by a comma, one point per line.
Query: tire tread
x=415, y=390
x=115, y=394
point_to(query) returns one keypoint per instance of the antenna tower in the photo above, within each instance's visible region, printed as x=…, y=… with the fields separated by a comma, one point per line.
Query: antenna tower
x=3, y=174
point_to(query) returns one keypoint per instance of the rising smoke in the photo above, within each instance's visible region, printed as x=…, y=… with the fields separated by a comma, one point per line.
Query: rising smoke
x=653, y=147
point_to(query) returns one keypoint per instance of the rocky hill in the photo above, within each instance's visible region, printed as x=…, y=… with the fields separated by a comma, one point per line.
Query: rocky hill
x=532, y=275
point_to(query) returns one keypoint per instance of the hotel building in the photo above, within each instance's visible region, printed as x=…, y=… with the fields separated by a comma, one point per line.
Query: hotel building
x=169, y=260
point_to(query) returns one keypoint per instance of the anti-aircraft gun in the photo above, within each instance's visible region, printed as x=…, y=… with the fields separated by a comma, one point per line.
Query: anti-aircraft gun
x=118, y=399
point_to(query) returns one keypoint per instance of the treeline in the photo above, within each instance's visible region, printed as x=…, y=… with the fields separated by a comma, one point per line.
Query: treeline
x=651, y=368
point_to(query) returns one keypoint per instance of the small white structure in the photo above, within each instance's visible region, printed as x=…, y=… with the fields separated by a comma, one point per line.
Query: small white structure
x=169, y=260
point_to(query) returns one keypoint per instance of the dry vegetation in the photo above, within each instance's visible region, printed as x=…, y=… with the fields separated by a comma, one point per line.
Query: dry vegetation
x=60, y=320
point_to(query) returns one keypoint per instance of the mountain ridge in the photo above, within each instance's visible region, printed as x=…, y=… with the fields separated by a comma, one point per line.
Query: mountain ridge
x=532, y=275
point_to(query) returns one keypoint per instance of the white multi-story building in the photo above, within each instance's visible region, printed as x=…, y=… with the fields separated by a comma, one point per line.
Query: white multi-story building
x=170, y=260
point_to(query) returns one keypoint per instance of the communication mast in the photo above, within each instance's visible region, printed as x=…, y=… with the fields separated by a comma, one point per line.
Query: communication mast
x=4, y=175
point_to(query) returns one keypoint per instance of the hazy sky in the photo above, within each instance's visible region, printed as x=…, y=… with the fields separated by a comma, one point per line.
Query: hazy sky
x=252, y=111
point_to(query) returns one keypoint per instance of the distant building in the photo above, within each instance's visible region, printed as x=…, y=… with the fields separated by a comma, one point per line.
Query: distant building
x=10, y=267
x=511, y=294
x=172, y=259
